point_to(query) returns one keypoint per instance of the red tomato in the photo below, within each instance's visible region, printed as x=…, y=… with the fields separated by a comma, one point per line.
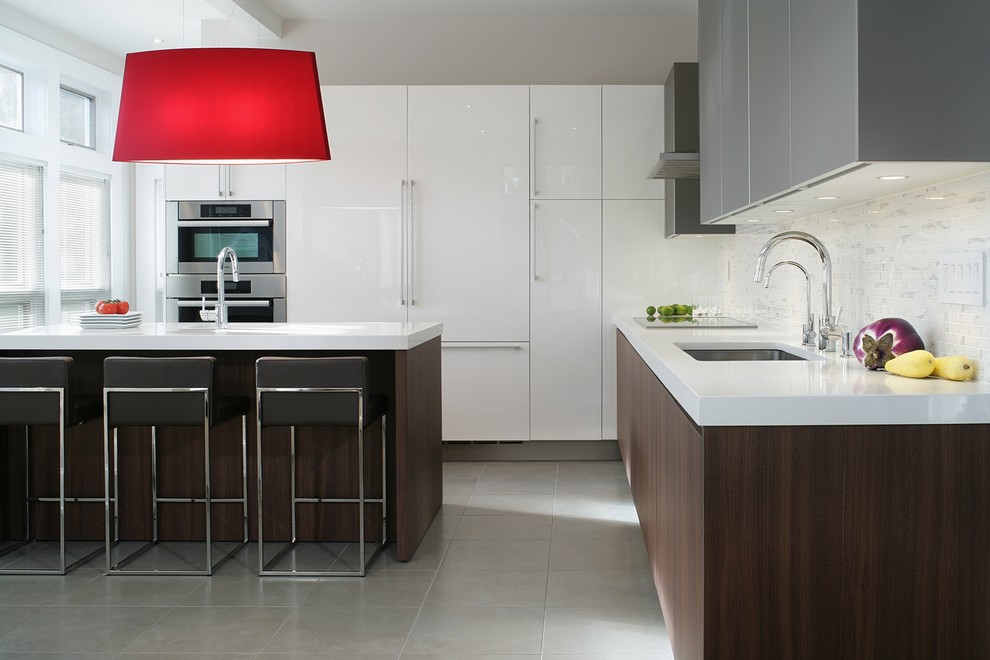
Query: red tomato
x=123, y=306
x=106, y=307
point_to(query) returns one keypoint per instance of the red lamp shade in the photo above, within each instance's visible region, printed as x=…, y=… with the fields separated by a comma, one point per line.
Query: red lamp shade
x=221, y=106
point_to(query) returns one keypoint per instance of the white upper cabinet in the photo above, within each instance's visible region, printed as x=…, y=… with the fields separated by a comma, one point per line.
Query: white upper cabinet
x=224, y=182
x=344, y=217
x=467, y=211
x=566, y=141
x=566, y=331
x=632, y=139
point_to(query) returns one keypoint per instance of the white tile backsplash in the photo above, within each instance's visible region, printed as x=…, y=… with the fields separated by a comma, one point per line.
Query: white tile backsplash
x=884, y=259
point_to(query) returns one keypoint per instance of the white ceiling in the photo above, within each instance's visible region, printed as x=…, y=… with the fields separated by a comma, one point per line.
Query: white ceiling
x=118, y=27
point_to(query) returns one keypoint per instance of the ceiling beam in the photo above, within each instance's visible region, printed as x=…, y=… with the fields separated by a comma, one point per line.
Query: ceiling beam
x=252, y=14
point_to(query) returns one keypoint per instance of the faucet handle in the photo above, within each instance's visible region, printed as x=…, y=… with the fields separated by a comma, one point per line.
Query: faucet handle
x=207, y=314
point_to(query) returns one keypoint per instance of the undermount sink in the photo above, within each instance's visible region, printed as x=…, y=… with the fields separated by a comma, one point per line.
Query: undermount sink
x=752, y=352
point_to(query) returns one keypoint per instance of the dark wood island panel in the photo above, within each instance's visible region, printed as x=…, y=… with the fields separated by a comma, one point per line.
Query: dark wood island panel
x=823, y=542
x=409, y=378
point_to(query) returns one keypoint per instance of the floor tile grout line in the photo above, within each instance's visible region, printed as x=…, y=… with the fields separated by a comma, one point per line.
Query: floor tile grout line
x=436, y=573
x=546, y=595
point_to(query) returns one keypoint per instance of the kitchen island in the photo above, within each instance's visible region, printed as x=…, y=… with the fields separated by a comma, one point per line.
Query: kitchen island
x=404, y=361
x=808, y=508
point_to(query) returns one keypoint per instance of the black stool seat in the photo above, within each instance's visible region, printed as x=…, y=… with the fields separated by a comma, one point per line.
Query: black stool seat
x=329, y=392
x=40, y=391
x=171, y=391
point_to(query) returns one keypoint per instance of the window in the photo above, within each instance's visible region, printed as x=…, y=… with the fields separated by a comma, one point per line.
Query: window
x=84, y=242
x=77, y=118
x=11, y=98
x=22, y=263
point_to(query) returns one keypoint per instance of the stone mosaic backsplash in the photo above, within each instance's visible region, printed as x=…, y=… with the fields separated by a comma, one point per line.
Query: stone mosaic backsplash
x=884, y=259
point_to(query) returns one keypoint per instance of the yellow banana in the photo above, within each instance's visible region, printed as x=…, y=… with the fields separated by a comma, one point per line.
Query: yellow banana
x=954, y=367
x=914, y=364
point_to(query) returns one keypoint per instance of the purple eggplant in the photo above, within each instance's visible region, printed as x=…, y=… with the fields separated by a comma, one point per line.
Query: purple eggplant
x=884, y=340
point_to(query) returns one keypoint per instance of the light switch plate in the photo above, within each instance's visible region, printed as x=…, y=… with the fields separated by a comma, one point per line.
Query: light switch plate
x=961, y=277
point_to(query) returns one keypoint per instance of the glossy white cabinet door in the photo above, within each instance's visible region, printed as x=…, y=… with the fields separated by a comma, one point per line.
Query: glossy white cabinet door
x=468, y=213
x=632, y=139
x=344, y=230
x=223, y=182
x=566, y=141
x=566, y=330
x=485, y=391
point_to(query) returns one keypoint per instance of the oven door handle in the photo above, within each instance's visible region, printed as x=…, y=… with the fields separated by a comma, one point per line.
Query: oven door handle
x=224, y=223
x=231, y=302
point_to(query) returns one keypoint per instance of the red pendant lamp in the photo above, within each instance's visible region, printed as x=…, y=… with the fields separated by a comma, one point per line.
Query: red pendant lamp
x=221, y=106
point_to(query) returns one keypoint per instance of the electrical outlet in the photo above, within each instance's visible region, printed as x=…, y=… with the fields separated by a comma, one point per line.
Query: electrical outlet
x=961, y=277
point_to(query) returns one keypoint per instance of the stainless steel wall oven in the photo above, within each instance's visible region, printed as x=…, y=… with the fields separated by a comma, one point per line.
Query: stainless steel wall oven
x=197, y=231
x=256, y=298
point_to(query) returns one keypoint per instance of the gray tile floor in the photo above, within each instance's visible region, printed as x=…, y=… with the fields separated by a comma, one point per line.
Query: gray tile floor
x=526, y=560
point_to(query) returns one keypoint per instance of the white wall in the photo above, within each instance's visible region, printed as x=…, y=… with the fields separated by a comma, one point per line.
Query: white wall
x=884, y=256
x=494, y=50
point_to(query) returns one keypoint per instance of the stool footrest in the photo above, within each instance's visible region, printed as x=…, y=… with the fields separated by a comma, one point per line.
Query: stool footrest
x=336, y=500
x=199, y=500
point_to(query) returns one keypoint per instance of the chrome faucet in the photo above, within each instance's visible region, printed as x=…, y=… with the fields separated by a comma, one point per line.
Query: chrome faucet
x=829, y=332
x=808, y=329
x=219, y=312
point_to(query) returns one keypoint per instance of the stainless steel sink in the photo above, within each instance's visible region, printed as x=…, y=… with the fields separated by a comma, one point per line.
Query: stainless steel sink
x=745, y=351
x=735, y=354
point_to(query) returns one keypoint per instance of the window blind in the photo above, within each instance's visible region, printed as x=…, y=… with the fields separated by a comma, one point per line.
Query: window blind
x=84, y=242
x=22, y=263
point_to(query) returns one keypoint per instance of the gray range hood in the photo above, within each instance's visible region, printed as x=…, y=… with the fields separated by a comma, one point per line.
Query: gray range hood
x=680, y=164
x=680, y=129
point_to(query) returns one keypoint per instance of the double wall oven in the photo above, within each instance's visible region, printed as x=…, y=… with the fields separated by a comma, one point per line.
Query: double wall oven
x=198, y=231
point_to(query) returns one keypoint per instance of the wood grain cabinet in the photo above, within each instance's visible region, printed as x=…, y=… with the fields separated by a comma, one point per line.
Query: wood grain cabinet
x=812, y=542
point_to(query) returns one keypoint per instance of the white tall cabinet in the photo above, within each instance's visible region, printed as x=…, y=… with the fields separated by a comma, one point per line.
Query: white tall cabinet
x=468, y=246
x=345, y=217
x=565, y=317
x=520, y=217
x=468, y=222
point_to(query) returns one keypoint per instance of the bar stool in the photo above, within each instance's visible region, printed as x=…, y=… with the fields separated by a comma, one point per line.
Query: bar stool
x=153, y=391
x=325, y=392
x=39, y=391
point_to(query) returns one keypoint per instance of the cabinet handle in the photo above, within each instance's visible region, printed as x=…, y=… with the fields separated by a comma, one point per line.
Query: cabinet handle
x=412, y=246
x=220, y=181
x=230, y=191
x=402, y=244
x=481, y=344
x=532, y=233
x=532, y=164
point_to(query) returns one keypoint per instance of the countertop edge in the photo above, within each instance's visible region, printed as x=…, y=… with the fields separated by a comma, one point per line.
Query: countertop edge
x=838, y=391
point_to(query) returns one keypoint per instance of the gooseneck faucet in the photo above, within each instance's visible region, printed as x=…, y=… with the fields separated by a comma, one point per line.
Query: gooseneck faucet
x=219, y=313
x=828, y=332
x=808, y=329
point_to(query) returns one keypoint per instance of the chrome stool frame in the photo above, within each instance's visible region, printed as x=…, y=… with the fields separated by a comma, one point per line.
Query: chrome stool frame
x=365, y=560
x=117, y=568
x=62, y=420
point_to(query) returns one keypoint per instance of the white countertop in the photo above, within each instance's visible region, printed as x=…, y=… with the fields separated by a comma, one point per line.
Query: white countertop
x=239, y=336
x=827, y=390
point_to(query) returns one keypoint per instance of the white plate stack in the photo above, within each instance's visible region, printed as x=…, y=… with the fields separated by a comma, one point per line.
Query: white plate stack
x=95, y=321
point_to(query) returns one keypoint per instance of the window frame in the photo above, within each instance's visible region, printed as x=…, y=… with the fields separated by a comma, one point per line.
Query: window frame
x=91, y=113
x=20, y=99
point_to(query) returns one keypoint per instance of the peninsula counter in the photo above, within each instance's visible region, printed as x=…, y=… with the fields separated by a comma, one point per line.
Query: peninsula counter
x=404, y=359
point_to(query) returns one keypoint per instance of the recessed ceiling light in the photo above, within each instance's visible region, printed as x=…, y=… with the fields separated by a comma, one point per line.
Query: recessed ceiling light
x=833, y=219
x=752, y=219
x=698, y=236
x=892, y=177
x=873, y=212
x=783, y=210
x=825, y=197
x=157, y=40
x=934, y=197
